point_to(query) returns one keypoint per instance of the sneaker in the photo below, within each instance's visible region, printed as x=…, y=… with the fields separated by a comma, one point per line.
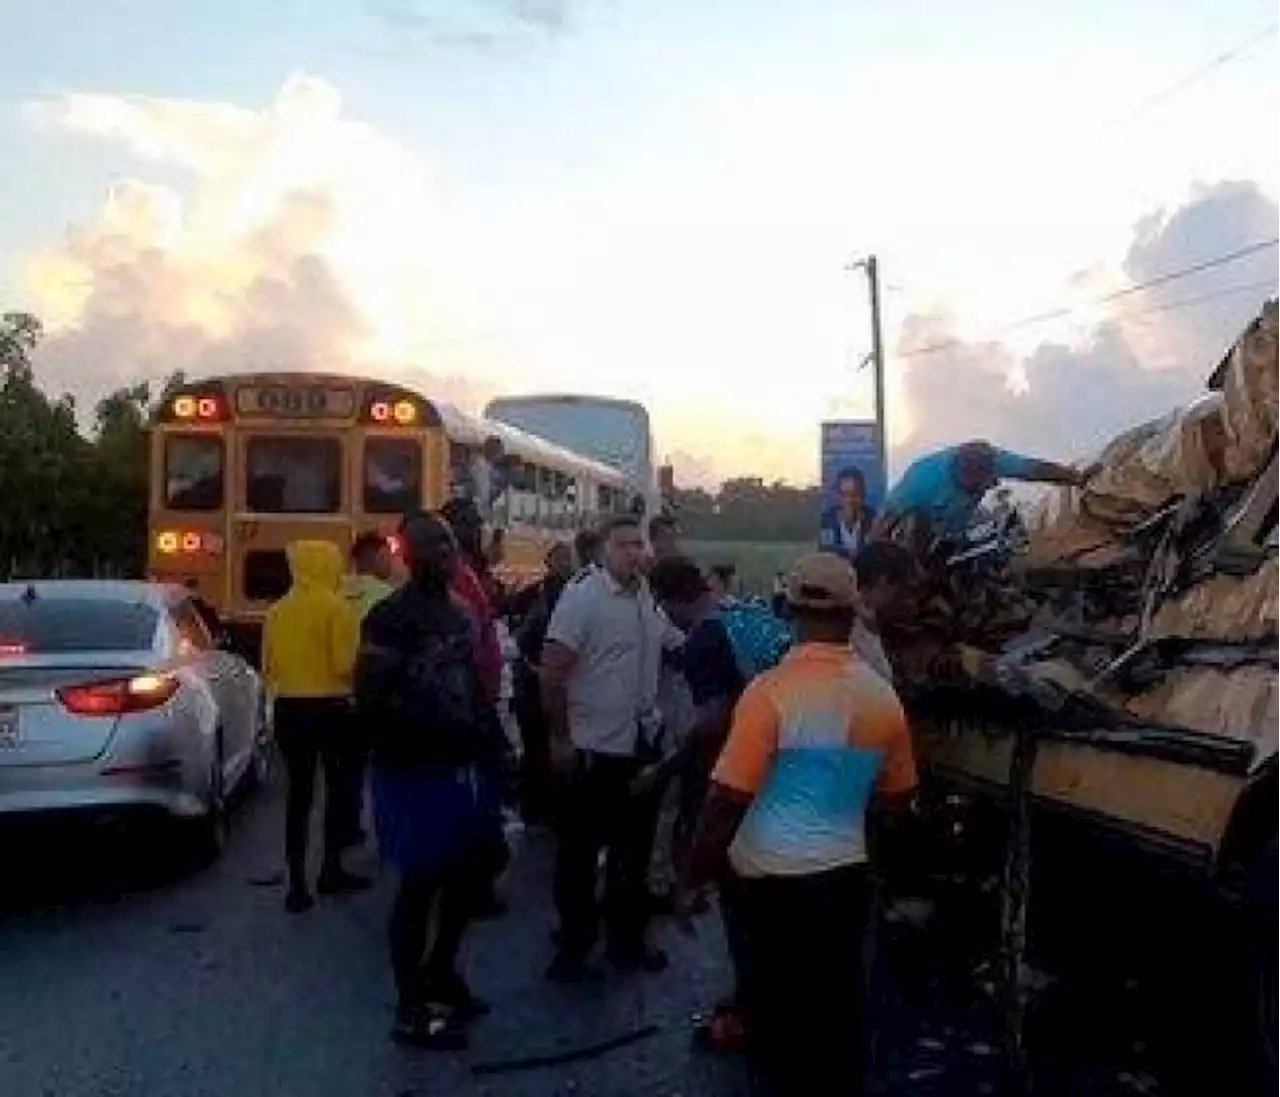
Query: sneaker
x=428, y=1027
x=298, y=900
x=341, y=882
x=568, y=968
x=644, y=958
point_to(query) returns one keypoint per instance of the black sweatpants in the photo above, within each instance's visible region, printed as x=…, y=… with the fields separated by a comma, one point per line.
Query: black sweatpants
x=800, y=987
x=426, y=901
x=596, y=811
x=311, y=732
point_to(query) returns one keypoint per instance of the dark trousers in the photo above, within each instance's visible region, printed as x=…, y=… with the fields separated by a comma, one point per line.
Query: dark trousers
x=731, y=918
x=313, y=732
x=596, y=811
x=535, y=748
x=354, y=767
x=425, y=901
x=800, y=987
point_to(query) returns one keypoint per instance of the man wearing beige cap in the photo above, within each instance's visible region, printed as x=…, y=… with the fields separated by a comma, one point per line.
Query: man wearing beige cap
x=814, y=744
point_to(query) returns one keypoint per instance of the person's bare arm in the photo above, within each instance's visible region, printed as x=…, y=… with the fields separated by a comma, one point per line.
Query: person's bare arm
x=1035, y=471
x=718, y=822
x=557, y=665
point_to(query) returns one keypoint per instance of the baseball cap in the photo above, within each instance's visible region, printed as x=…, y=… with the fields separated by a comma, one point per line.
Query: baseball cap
x=822, y=580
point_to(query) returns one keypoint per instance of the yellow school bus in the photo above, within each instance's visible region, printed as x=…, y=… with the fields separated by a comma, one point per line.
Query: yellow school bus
x=243, y=464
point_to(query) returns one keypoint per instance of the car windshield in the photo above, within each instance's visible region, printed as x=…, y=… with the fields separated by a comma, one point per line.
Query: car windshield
x=54, y=625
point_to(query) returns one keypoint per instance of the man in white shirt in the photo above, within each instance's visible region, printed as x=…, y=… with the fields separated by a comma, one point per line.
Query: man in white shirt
x=600, y=664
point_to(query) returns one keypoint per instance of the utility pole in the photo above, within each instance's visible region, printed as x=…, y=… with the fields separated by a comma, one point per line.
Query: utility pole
x=876, y=357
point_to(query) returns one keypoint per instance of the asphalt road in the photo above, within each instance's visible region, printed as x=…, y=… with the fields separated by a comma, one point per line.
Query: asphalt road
x=114, y=983
x=118, y=980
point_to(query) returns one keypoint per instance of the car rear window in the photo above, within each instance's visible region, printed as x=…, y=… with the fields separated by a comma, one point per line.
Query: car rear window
x=60, y=625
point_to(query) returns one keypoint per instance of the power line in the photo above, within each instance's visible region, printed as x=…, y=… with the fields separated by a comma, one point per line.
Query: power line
x=1235, y=53
x=1116, y=295
x=1187, y=302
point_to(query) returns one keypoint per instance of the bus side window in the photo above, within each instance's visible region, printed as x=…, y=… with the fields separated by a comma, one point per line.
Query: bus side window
x=521, y=492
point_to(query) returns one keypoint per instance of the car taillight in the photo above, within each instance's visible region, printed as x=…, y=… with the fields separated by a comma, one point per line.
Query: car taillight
x=11, y=648
x=119, y=695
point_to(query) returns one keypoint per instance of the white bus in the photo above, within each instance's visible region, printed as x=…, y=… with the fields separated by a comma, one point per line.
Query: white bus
x=614, y=432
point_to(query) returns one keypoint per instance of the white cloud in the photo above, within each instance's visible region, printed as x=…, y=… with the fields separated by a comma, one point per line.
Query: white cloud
x=302, y=240
x=1130, y=361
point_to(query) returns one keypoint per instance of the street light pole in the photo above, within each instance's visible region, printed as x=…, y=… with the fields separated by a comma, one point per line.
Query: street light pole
x=876, y=357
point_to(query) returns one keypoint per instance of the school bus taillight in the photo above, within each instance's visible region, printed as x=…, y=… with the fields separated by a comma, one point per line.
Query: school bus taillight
x=170, y=542
x=204, y=409
x=404, y=412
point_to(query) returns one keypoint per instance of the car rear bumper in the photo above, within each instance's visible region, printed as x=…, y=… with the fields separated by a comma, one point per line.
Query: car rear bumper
x=91, y=790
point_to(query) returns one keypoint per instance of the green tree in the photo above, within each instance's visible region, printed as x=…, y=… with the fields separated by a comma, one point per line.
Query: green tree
x=41, y=452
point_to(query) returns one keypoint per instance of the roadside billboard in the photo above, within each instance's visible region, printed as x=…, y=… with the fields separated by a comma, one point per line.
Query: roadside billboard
x=849, y=444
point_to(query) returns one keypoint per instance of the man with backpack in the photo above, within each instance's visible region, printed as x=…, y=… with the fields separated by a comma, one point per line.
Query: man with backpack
x=726, y=645
x=421, y=695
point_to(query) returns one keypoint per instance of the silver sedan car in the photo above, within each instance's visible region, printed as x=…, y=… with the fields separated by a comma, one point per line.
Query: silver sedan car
x=116, y=702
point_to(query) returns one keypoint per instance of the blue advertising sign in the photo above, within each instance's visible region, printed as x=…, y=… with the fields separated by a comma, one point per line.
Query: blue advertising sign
x=848, y=445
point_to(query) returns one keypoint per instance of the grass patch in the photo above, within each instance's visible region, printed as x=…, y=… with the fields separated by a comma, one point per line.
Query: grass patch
x=757, y=561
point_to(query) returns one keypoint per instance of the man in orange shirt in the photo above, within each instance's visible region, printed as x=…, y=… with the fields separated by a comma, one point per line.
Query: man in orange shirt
x=815, y=746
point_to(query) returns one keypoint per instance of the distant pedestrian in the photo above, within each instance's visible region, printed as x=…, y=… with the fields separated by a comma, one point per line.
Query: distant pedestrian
x=308, y=651
x=815, y=745
x=586, y=548
x=778, y=599
x=887, y=576
x=368, y=582
x=715, y=682
x=419, y=691
x=468, y=563
x=535, y=757
x=468, y=566
x=600, y=665
x=664, y=537
x=722, y=581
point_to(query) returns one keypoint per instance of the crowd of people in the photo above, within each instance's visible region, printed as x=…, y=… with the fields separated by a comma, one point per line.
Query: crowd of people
x=769, y=737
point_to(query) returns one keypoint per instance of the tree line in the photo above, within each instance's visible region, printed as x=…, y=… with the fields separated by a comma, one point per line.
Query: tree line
x=73, y=488
x=73, y=502
x=748, y=509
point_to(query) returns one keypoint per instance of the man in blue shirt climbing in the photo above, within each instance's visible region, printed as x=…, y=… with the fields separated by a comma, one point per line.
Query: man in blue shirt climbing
x=946, y=487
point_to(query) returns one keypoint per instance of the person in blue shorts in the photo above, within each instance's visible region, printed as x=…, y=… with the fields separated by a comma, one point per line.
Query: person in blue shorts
x=946, y=487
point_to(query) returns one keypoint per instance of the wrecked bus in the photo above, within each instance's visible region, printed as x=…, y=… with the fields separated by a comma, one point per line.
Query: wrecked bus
x=1114, y=679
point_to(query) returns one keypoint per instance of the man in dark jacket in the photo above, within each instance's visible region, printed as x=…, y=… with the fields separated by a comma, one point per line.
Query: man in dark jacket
x=433, y=750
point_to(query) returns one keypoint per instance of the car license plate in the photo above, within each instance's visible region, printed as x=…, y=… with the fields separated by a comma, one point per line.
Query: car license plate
x=10, y=737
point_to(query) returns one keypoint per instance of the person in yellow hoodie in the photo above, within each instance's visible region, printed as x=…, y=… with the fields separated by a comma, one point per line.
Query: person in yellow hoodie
x=309, y=644
x=365, y=585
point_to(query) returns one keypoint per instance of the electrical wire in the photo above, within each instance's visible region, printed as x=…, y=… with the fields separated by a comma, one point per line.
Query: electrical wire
x=1116, y=295
x=1234, y=53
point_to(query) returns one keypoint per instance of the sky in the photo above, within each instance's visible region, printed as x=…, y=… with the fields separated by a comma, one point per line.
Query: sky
x=653, y=199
